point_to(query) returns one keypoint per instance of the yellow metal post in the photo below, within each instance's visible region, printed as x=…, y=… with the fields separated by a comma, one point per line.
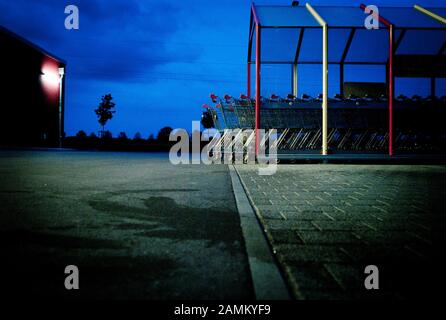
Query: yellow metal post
x=324, y=77
x=430, y=14
x=295, y=79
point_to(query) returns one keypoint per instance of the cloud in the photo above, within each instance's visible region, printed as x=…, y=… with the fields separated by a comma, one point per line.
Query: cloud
x=117, y=40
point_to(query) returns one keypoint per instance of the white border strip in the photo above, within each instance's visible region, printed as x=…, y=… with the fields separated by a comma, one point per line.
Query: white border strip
x=266, y=277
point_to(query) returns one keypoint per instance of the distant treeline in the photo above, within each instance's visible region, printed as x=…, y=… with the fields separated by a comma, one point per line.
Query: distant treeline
x=106, y=141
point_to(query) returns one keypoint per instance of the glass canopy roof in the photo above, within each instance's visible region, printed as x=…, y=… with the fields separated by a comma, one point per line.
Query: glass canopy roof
x=292, y=35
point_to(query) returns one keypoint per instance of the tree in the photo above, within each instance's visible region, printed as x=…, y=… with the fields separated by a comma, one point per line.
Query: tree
x=107, y=135
x=137, y=136
x=81, y=134
x=151, y=137
x=122, y=135
x=163, y=134
x=105, y=111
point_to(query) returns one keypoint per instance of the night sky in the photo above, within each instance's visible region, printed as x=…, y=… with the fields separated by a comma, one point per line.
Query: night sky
x=159, y=59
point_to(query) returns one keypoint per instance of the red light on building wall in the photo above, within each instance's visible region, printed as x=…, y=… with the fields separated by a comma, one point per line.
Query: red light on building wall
x=50, y=79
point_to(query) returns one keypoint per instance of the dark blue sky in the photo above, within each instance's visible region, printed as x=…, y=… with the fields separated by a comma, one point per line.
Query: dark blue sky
x=159, y=59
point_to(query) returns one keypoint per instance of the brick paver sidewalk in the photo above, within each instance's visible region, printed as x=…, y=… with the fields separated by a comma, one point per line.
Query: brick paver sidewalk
x=326, y=223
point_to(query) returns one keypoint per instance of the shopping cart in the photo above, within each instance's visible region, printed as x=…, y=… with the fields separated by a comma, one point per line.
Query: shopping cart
x=354, y=123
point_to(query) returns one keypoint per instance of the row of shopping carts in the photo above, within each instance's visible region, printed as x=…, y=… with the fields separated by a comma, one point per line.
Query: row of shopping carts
x=355, y=123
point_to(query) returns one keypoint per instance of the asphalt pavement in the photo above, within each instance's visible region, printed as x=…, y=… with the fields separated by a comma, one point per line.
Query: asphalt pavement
x=136, y=226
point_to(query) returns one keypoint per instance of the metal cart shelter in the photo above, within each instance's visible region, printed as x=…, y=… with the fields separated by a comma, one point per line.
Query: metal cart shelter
x=410, y=42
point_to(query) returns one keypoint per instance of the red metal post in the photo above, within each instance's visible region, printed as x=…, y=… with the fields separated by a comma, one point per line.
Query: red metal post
x=380, y=18
x=390, y=79
x=257, y=111
x=391, y=89
x=248, y=73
